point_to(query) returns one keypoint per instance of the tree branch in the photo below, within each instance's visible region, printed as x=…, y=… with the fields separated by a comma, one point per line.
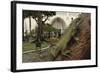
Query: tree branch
x=45, y=19
x=36, y=20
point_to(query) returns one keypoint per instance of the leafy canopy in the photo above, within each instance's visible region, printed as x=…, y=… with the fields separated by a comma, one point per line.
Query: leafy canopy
x=36, y=14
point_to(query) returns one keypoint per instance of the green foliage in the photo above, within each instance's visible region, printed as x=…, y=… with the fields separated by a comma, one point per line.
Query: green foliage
x=27, y=46
x=33, y=31
x=27, y=13
x=36, y=14
x=49, y=28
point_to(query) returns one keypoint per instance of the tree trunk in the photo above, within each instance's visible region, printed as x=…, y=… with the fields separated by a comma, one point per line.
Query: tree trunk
x=30, y=25
x=39, y=32
x=23, y=29
x=63, y=43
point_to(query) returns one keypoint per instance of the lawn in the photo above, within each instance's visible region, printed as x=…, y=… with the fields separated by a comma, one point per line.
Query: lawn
x=27, y=46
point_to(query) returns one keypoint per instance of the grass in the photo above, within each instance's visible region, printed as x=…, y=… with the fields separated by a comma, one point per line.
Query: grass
x=27, y=46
